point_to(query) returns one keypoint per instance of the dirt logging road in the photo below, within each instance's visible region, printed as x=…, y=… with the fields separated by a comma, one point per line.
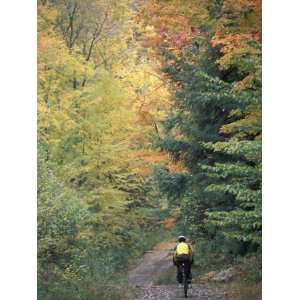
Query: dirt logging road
x=153, y=265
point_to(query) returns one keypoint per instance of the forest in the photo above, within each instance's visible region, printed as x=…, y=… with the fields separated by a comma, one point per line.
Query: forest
x=149, y=125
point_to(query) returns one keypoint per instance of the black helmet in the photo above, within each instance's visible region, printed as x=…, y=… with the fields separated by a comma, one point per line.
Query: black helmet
x=181, y=238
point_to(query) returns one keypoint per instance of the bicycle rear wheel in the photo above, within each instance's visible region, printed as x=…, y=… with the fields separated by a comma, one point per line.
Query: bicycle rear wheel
x=185, y=283
x=185, y=288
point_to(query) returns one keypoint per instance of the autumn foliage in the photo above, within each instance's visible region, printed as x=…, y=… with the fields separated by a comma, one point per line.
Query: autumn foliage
x=145, y=108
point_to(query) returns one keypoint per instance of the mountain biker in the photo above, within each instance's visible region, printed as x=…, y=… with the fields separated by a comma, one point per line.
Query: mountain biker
x=183, y=253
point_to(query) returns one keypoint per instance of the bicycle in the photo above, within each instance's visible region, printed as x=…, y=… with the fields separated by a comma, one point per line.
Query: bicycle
x=185, y=281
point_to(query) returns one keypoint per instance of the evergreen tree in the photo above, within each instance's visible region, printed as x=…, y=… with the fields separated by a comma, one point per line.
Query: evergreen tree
x=214, y=125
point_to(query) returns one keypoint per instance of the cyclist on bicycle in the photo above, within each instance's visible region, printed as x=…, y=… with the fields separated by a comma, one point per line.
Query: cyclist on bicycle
x=183, y=253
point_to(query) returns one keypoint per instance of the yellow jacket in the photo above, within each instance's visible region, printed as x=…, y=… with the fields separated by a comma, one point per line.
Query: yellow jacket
x=183, y=248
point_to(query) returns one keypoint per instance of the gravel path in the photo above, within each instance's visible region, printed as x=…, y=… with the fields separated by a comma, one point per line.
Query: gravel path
x=152, y=266
x=173, y=292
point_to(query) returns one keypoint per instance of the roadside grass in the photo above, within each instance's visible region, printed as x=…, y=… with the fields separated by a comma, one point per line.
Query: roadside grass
x=118, y=287
x=244, y=285
x=241, y=290
x=115, y=291
x=247, y=285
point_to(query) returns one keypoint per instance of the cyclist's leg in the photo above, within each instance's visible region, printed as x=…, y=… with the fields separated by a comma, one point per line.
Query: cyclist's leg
x=189, y=273
x=179, y=274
